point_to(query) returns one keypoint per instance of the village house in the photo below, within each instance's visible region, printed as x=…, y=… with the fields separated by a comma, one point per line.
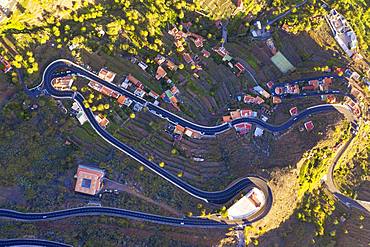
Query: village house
x=134, y=81
x=293, y=111
x=107, y=75
x=261, y=91
x=171, y=65
x=142, y=65
x=206, y=53
x=179, y=130
x=62, y=83
x=192, y=133
x=221, y=51
x=89, y=180
x=309, y=125
x=276, y=100
x=269, y=84
x=153, y=94
x=123, y=100
x=226, y=119
x=240, y=67
x=103, y=121
x=159, y=59
x=139, y=92
x=187, y=58
x=161, y=73
x=235, y=114
x=6, y=65
x=243, y=128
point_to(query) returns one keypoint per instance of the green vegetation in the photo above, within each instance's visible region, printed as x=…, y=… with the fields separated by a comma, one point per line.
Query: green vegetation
x=353, y=168
x=315, y=208
x=310, y=17
x=111, y=26
x=357, y=12
x=318, y=159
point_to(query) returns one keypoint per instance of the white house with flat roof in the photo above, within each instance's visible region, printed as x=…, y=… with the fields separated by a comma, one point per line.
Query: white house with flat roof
x=247, y=205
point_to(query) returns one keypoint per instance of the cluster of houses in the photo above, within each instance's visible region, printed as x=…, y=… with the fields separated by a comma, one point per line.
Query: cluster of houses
x=121, y=99
x=236, y=66
x=179, y=131
x=65, y=83
x=307, y=125
x=304, y=86
x=353, y=75
x=180, y=37
x=244, y=128
x=81, y=117
x=6, y=67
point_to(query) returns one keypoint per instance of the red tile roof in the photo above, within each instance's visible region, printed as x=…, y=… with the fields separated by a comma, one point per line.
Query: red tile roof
x=206, y=53
x=135, y=81
x=309, y=125
x=179, y=129
x=293, y=111
x=245, y=113
x=160, y=73
x=249, y=99
x=106, y=91
x=314, y=83
x=328, y=80
x=278, y=90
x=270, y=84
x=106, y=75
x=240, y=67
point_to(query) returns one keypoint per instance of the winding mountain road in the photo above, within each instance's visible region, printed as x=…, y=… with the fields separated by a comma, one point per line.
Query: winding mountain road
x=333, y=188
x=218, y=197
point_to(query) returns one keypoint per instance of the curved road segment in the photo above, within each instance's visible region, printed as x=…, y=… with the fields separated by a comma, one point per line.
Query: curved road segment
x=333, y=188
x=31, y=242
x=61, y=64
x=114, y=212
x=219, y=197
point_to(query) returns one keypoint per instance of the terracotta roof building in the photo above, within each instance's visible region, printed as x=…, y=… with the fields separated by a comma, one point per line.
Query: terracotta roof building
x=249, y=99
x=226, y=119
x=235, y=114
x=106, y=75
x=89, y=180
x=240, y=67
x=314, y=83
x=121, y=99
x=179, y=130
x=103, y=121
x=160, y=73
x=134, y=81
x=276, y=100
